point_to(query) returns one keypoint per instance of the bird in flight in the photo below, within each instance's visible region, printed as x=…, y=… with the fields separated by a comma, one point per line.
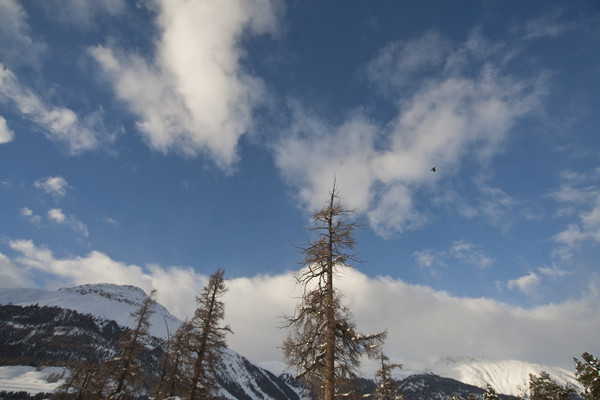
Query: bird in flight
x=432, y=169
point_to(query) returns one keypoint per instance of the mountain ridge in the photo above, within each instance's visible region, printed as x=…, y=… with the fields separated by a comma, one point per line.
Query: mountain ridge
x=109, y=302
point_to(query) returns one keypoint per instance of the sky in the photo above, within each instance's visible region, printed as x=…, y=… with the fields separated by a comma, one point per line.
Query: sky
x=150, y=143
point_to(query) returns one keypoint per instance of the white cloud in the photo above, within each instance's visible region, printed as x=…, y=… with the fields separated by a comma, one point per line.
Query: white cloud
x=460, y=250
x=429, y=258
x=423, y=324
x=6, y=134
x=16, y=45
x=467, y=253
x=56, y=215
x=11, y=275
x=59, y=124
x=581, y=195
x=194, y=96
x=28, y=213
x=111, y=221
x=526, y=284
x=450, y=117
x=399, y=63
x=54, y=185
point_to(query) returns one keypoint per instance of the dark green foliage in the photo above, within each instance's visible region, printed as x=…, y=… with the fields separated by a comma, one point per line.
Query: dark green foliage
x=490, y=393
x=543, y=387
x=587, y=373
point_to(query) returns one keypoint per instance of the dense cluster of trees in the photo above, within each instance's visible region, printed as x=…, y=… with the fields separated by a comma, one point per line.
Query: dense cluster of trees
x=187, y=365
x=322, y=345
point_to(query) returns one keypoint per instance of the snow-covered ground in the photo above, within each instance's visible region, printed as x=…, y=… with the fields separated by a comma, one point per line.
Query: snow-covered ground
x=505, y=376
x=29, y=379
x=112, y=302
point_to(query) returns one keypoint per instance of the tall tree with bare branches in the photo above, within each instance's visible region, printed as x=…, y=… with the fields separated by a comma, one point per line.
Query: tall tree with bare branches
x=125, y=367
x=207, y=339
x=323, y=345
x=387, y=387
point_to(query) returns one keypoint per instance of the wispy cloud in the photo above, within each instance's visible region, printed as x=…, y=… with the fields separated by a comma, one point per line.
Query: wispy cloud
x=57, y=216
x=548, y=25
x=54, y=185
x=414, y=315
x=464, y=252
x=456, y=114
x=111, y=221
x=59, y=124
x=81, y=13
x=193, y=95
x=529, y=284
x=17, y=46
x=28, y=213
x=579, y=197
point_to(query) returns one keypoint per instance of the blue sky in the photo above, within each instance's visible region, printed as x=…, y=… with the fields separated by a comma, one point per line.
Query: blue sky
x=152, y=143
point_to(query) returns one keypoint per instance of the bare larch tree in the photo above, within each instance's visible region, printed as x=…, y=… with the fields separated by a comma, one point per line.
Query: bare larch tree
x=387, y=387
x=125, y=367
x=207, y=340
x=323, y=345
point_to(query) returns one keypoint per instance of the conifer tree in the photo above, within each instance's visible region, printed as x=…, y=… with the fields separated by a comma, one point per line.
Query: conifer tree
x=207, y=339
x=588, y=374
x=323, y=346
x=79, y=384
x=543, y=387
x=387, y=387
x=490, y=393
x=175, y=360
x=125, y=368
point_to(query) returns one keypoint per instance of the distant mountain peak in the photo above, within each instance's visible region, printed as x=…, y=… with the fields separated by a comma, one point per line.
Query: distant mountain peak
x=129, y=294
x=505, y=376
x=104, y=300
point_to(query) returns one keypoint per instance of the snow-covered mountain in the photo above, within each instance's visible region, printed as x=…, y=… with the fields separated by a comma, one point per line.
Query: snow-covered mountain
x=50, y=328
x=505, y=376
x=74, y=323
x=107, y=301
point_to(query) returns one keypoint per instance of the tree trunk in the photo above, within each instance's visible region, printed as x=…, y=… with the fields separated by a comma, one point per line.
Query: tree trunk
x=330, y=313
x=202, y=348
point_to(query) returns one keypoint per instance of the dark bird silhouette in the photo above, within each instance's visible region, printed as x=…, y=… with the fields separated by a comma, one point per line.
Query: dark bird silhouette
x=432, y=169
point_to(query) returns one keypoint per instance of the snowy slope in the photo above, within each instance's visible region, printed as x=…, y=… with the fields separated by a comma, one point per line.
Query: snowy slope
x=108, y=301
x=505, y=376
x=237, y=375
x=239, y=378
x=24, y=378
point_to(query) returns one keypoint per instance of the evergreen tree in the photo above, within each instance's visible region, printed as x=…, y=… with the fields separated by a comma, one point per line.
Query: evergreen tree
x=324, y=347
x=588, y=374
x=490, y=393
x=387, y=387
x=546, y=388
x=207, y=339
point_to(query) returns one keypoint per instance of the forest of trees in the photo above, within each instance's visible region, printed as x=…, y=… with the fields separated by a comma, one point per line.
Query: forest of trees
x=322, y=346
x=187, y=365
